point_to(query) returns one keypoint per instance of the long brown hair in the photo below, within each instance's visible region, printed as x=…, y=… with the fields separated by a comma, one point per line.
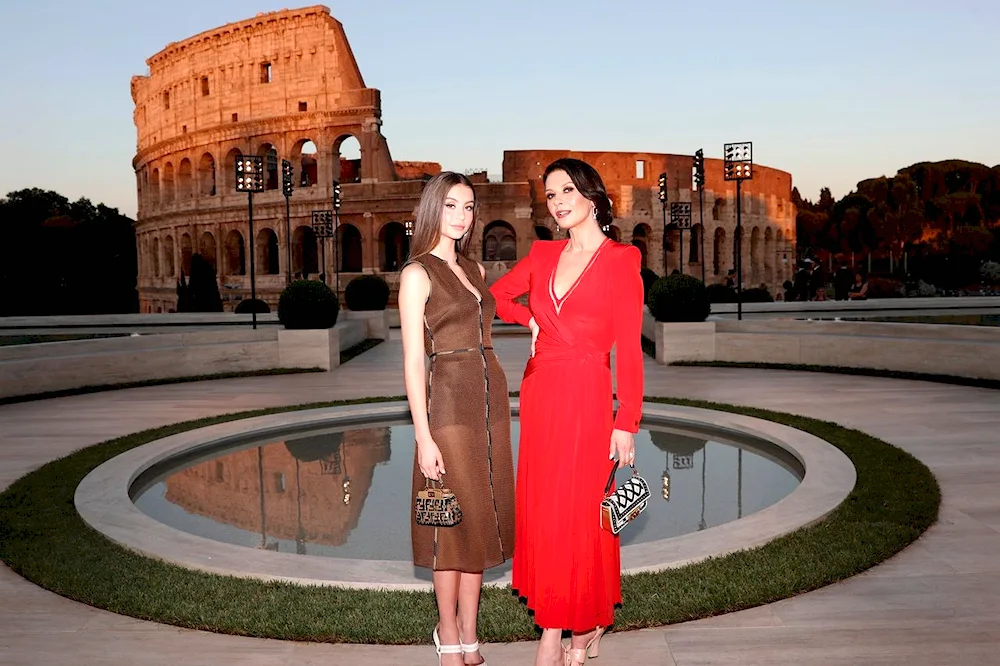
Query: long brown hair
x=427, y=228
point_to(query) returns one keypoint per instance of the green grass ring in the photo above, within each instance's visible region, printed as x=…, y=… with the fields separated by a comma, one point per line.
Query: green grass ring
x=43, y=539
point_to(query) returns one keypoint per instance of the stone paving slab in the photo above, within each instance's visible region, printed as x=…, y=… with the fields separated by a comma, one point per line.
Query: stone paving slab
x=937, y=602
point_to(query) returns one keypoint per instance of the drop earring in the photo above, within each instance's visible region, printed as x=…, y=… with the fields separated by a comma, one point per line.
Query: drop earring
x=594, y=212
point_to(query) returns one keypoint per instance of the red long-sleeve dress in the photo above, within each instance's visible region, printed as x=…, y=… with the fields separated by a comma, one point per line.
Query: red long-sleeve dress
x=565, y=566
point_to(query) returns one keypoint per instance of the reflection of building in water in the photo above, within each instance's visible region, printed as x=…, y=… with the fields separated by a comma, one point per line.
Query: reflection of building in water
x=310, y=489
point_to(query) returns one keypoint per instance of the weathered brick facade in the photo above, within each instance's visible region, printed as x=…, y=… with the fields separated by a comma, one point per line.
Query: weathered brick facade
x=285, y=84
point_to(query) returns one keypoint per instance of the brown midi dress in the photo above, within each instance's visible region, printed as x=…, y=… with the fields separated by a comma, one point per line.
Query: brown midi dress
x=469, y=417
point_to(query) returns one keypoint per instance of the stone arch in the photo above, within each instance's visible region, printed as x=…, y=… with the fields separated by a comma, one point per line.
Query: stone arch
x=156, y=257
x=305, y=251
x=718, y=208
x=167, y=193
x=694, y=249
x=209, y=251
x=186, y=252
x=718, y=251
x=347, y=158
x=756, y=261
x=272, y=169
x=154, y=188
x=267, y=252
x=542, y=232
x=640, y=238
x=499, y=242
x=236, y=254
x=206, y=175
x=393, y=246
x=168, y=256
x=304, y=165
x=782, y=265
x=185, y=180
x=230, y=173
x=769, y=256
x=349, y=248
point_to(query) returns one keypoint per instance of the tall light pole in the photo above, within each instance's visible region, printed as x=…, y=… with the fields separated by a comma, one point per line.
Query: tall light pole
x=699, y=180
x=336, y=226
x=738, y=166
x=663, y=205
x=286, y=189
x=250, y=179
x=680, y=214
x=322, y=224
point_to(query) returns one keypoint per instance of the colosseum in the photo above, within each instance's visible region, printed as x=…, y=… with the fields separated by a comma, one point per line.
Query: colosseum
x=285, y=86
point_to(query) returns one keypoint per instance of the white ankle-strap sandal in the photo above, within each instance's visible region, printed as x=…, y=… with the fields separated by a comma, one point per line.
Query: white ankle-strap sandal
x=471, y=647
x=444, y=649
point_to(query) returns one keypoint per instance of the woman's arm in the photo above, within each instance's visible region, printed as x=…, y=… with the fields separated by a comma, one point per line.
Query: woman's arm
x=627, y=318
x=414, y=290
x=512, y=285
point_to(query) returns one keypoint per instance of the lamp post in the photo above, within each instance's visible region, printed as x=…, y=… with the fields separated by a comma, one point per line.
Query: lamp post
x=699, y=181
x=322, y=224
x=286, y=189
x=250, y=179
x=680, y=214
x=738, y=166
x=336, y=226
x=663, y=205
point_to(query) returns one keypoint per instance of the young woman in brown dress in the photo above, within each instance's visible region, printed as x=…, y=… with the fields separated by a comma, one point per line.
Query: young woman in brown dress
x=460, y=410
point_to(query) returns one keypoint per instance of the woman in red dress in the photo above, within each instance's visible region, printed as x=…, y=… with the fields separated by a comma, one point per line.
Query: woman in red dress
x=584, y=296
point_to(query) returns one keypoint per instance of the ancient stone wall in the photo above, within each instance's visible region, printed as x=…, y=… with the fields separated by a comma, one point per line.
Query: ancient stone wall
x=632, y=181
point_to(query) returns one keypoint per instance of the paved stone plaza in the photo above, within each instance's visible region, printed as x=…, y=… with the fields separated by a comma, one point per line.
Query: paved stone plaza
x=938, y=602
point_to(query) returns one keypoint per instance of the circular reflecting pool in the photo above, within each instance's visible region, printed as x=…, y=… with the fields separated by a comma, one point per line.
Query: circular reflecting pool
x=345, y=492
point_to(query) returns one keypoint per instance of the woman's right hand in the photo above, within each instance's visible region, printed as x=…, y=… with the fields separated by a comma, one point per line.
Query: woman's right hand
x=429, y=460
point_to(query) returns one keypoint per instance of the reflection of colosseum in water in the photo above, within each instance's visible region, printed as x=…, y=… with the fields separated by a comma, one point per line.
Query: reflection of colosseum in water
x=285, y=85
x=310, y=490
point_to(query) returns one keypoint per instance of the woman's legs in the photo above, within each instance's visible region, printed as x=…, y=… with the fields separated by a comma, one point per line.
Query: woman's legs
x=550, y=649
x=469, y=587
x=446, y=591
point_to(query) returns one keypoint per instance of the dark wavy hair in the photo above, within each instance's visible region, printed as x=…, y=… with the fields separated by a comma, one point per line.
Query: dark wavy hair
x=588, y=182
x=427, y=226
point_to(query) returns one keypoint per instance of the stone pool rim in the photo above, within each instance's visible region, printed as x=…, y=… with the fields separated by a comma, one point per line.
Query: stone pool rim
x=104, y=502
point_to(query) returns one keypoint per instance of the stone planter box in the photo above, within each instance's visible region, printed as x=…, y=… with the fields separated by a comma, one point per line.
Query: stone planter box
x=376, y=322
x=684, y=341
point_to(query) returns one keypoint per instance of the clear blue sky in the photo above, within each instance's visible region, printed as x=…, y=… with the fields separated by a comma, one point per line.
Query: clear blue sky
x=833, y=92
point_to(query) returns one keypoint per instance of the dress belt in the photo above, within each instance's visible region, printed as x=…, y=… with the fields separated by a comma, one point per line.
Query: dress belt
x=460, y=351
x=548, y=356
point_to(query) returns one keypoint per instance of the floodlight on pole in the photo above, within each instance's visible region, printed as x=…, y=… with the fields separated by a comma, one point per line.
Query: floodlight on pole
x=663, y=205
x=286, y=190
x=250, y=179
x=738, y=166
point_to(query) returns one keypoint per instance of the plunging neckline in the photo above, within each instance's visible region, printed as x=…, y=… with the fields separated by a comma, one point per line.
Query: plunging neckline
x=559, y=301
x=473, y=292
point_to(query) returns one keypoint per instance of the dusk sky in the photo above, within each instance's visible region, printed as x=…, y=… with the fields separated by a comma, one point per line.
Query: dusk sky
x=832, y=92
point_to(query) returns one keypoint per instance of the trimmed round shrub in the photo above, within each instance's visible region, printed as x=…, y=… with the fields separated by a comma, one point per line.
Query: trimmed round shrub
x=649, y=276
x=720, y=293
x=679, y=298
x=367, y=292
x=308, y=304
x=252, y=305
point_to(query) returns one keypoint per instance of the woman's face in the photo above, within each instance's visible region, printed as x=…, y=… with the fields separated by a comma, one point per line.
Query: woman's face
x=566, y=205
x=458, y=212
x=857, y=278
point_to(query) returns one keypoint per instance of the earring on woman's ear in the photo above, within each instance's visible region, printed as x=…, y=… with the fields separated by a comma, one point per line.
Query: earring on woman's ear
x=594, y=212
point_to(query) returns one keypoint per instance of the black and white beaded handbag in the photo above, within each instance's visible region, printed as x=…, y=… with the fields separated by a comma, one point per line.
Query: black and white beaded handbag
x=624, y=505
